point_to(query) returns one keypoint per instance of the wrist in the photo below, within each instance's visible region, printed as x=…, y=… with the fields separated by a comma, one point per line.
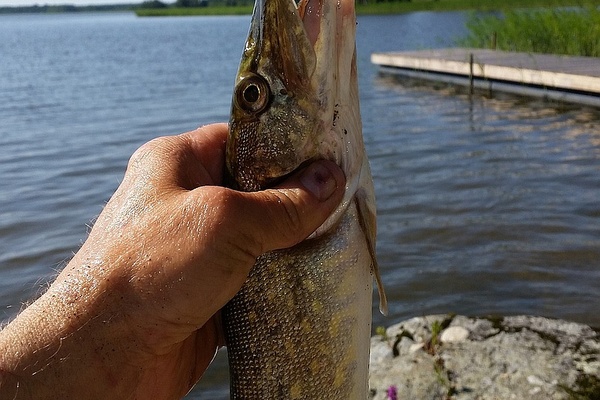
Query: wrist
x=9, y=383
x=22, y=351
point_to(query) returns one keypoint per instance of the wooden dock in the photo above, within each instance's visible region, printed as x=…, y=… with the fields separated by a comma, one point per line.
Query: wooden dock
x=563, y=78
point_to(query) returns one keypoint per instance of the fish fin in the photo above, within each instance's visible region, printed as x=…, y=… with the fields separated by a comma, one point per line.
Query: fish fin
x=365, y=204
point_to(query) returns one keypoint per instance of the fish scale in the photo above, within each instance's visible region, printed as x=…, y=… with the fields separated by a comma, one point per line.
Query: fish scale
x=297, y=329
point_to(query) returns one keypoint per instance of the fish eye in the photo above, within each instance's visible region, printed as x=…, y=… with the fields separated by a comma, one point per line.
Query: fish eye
x=252, y=94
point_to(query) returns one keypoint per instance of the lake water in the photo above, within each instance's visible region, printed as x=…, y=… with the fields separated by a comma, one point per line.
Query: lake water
x=486, y=205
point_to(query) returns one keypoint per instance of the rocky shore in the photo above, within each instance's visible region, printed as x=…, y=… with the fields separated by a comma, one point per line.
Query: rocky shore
x=456, y=357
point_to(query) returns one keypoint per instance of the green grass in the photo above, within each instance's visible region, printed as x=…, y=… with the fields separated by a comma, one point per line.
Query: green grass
x=557, y=31
x=398, y=7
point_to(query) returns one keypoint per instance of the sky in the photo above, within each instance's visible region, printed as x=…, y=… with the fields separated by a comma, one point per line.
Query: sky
x=8, y=3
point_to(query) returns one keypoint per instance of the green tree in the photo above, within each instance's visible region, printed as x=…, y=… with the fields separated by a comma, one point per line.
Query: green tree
x=190, y=3
x=153, y=4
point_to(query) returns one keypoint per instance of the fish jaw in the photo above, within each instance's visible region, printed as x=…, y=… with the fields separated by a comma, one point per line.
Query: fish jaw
x=275, y=108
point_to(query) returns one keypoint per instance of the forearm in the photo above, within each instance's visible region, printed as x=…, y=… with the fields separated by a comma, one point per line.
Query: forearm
x=59, y=347
x=27, y=348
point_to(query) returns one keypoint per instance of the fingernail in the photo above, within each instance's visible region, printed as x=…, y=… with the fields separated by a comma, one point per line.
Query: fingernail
x=319, y=180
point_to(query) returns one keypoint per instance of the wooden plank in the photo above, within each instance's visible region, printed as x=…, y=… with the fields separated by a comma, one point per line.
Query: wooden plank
x=578, y=74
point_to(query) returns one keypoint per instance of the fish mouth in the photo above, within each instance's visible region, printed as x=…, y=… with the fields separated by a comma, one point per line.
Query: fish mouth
x=275, y=181
x=266, y=182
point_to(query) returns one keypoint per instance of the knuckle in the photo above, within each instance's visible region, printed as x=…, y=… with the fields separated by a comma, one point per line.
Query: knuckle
x=240, y=234
x=294, y=221
x=148, y=151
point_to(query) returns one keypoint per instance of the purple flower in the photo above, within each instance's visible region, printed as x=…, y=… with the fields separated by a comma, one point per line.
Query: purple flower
x=392, y=393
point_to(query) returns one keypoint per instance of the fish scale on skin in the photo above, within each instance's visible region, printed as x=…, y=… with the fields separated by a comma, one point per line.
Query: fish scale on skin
x=300, y=326
x=292, y=333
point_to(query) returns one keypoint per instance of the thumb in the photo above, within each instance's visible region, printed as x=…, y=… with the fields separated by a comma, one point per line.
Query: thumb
x=287, y=214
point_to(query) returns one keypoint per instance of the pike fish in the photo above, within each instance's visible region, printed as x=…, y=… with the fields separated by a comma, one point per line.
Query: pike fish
x=300, y=326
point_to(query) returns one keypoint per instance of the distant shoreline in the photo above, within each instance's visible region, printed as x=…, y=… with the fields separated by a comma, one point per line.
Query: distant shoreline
x=66, y=8
x=381, y=8
x=371, y=8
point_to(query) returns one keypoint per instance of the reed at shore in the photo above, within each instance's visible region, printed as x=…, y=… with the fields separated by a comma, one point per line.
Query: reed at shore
x=572, y=31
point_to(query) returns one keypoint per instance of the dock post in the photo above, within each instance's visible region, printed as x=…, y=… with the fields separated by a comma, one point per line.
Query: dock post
x=471, y=73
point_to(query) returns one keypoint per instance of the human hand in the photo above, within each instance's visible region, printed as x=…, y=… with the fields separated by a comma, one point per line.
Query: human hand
x=135, y=312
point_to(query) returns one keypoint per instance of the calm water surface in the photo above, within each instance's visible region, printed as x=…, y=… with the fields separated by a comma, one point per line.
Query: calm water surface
x=486, y=205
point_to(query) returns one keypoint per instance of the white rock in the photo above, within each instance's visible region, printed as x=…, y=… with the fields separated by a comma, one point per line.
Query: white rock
x=454, y=334
x=380, y=351
x=535, y=390
x=415, y=347
x=529, y=358
x=404, y=346
x=534, y=380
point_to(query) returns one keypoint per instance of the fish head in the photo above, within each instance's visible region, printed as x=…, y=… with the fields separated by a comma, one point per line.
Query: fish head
x=274, y=112
x=297, y=78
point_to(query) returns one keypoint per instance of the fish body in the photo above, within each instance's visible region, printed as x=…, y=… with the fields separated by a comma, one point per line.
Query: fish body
x=301, y=324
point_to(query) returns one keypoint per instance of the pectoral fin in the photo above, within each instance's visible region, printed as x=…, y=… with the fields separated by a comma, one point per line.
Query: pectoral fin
x=365, y=204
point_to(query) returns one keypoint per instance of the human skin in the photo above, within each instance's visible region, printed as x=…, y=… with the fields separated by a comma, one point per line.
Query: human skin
x=135, y=313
